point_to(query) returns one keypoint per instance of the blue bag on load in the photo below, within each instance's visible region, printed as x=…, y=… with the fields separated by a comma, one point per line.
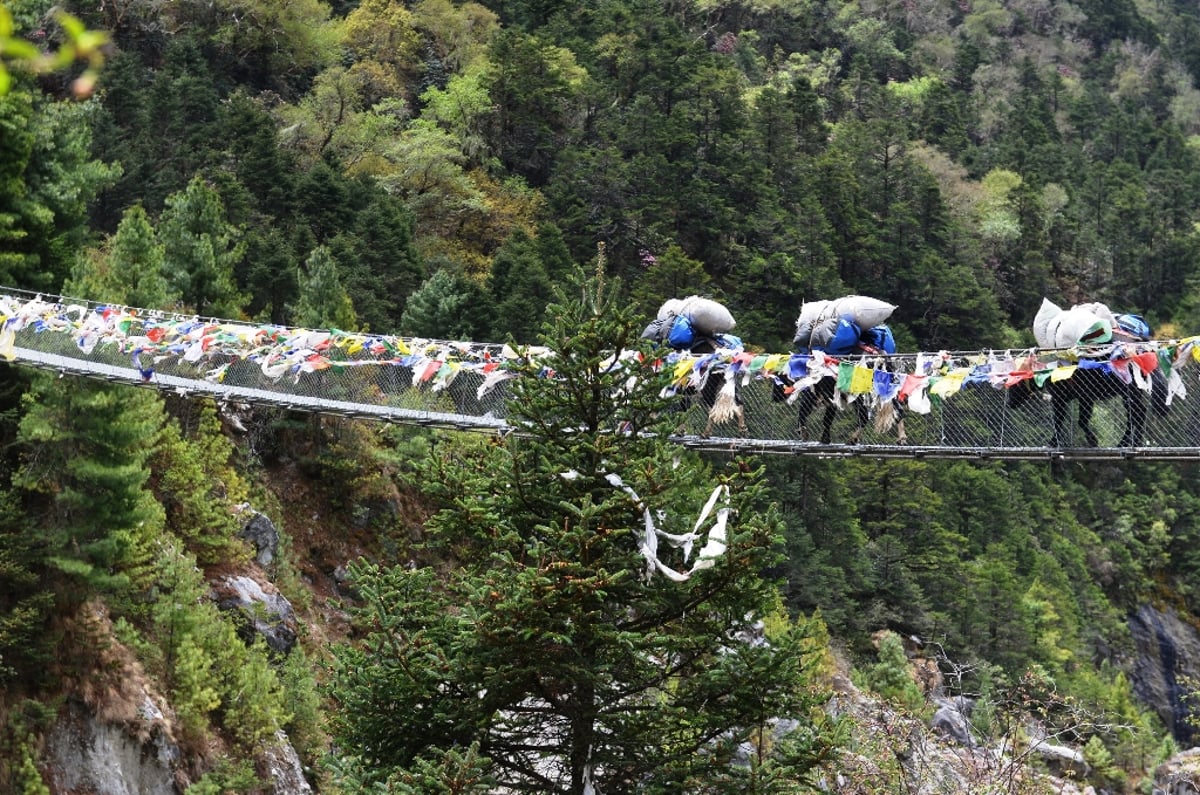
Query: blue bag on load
x=844, y=339
x=728, y=341
x=1134, y=326
x=682, y=334
x=880, y=338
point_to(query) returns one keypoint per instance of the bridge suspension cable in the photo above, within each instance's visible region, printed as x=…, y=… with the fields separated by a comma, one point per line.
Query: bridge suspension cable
x=1024, y=404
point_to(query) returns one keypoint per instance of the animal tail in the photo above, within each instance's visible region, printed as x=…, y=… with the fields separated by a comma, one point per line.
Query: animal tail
x=725, y=406
x=885, y=418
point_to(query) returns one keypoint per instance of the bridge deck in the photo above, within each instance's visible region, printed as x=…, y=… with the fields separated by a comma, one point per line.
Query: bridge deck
x=965, y=412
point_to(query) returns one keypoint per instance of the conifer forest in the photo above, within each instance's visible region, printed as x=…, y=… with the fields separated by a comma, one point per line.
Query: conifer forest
x=200, y=598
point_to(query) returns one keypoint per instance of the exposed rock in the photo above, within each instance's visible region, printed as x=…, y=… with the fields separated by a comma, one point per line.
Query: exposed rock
x=267, y=612
x=280, y=765
x=1179, y=775
x=88, y=755
x=1168, y=654
x=261, y=532
x=952, y=720
x=1063, y=761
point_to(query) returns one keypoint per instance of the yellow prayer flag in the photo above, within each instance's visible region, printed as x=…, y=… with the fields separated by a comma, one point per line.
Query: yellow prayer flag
x=862, y=380
x=949, y=384
x=683, y=368
x=1063, y=373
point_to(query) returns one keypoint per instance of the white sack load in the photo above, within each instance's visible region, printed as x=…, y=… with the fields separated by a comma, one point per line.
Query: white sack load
x=818, y=319
x=670, y=308
x=1081, y=326
x=1101, y=311
x=1048, y=315
x=813, y=312
x=819, y=334
x=708, y=316
x=867, y=312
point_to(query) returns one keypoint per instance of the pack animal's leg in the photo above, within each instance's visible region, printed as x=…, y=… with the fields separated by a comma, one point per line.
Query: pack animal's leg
x=901, y=436
x=1085, y=422
x=1059, y=407
x=1135, y=418
x=724, y=402
x=861, y=419
x=805, y=403
x=827, y=424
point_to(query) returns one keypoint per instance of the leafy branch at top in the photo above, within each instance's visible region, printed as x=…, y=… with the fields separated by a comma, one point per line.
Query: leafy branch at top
x=81, y=44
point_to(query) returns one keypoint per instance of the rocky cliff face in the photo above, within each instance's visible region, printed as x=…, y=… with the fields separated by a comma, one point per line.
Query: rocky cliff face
x=1166, y=666
x=88, y=754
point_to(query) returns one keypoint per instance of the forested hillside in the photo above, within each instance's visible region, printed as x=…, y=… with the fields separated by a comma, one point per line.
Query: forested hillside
x=449, y=169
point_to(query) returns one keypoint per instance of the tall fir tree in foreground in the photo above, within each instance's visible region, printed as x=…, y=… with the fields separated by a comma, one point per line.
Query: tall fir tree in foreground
x=556, y=655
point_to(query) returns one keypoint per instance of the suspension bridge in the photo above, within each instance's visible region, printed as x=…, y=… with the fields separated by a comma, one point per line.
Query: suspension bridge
x=954, y=404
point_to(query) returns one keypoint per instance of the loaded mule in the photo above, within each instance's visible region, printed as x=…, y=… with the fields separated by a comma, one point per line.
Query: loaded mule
x=698, y=326
x=835, y=328
x=1122, y=374
x=808, y=393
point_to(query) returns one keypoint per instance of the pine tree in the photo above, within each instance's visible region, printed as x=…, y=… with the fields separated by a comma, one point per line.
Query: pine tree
x=129, y=270
x=555, y=645
x=201, y=248
x=85, y=448
x=447, y=306
x=323, y=303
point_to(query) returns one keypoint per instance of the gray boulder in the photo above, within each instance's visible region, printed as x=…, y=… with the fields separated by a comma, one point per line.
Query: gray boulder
x=260, y=531
x=266, y=611
x=953, y=720
x=1179, y=775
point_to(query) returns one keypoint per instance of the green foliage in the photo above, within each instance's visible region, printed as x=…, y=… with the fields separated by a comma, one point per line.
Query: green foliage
x=201, y=249
x=252, y=696
x=230, y=776
x=86, y=447
x=373, y=246
x=198, y=485
x=130, y=269
x=302, y=702
x=552, y=618
x=891, y=676
x=28, y=778
x=445, y=771
x=448, y=306
x=194, y=695
x=671, y=274
x=25, y=605
x=524, y=275
x=48, y=178
x=323, y=302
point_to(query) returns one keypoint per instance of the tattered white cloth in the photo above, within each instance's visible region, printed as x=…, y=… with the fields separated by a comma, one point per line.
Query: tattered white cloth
x=715, y=543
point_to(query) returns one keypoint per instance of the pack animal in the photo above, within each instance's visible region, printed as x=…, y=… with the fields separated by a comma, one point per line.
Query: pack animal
x=1086, y=388
x=1093, y=323
x=718, y=392
x=851, y=325
x=824, y=392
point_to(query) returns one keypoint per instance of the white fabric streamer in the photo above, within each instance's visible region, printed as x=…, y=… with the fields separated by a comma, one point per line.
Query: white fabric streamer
x=715, y=544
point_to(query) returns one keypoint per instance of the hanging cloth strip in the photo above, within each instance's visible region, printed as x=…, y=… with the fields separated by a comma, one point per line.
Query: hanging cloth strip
x=715, y=544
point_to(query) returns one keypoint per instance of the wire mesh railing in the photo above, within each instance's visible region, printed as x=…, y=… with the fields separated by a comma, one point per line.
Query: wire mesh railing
x=1115, y=401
